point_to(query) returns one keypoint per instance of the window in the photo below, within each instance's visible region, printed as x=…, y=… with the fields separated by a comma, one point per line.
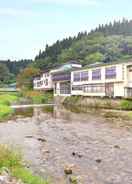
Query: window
x=76, y=77
x=98, y=88
x=61, y=77
x=96, y=74
x=84, y=76
x=110, y=73
x=77, y=88
x=46, y=82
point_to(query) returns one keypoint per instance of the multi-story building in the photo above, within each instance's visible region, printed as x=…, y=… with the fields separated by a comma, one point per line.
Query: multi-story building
x=111, y=80
x=61, y=78
x=43, y=81
x=99, y=80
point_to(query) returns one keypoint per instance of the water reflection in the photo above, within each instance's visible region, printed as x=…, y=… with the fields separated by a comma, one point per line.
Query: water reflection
x=24, y=112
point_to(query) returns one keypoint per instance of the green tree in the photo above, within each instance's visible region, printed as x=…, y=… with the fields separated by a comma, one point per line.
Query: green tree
x=95, y=57
x=25, y=78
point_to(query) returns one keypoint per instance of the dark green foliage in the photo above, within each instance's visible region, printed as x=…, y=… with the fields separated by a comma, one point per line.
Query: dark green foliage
x=10, y=69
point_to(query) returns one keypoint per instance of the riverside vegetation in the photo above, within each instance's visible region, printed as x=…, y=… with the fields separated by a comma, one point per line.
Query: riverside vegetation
x=5, y=102
x=33, y=97
x=12, y=161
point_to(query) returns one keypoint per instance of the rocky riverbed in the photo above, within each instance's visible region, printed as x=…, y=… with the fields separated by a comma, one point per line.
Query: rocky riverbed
x=68, y=147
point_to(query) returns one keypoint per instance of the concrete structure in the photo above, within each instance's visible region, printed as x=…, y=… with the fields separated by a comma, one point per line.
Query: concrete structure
x=61, y=78
x=111, y=80
x=43, y=81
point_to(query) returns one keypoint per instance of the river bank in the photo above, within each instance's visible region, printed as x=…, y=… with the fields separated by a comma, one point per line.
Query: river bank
x=114, y=106
x=9, y=100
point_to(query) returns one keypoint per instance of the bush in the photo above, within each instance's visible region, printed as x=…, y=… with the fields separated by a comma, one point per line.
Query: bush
x=7, y=99
x=126, y=105
x=5, y=111
x=39, y=97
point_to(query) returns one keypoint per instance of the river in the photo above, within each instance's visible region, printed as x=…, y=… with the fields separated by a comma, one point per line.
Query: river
x=98, y=149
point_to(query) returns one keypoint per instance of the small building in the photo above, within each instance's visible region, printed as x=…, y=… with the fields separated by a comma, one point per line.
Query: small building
x=110, y=80
x=43, y=81
x=61, y=78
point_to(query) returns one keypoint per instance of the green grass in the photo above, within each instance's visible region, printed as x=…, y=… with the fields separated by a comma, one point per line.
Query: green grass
x=126, y=104
x=5, y=101
x=5, y=111
x=13, y=161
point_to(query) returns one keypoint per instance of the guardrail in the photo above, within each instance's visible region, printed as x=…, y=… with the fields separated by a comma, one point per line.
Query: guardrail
x=8, y=90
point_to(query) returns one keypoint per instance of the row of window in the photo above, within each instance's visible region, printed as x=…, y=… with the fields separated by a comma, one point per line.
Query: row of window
x=40, y=83
x=110, y=73
x=98, y=88
x=61, y=77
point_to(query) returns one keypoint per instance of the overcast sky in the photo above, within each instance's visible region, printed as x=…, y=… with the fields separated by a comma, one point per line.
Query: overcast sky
x=27, y=25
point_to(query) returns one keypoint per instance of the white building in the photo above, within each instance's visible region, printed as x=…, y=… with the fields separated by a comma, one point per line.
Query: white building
x=61, y=78
x=112, y=80
x=43, y=81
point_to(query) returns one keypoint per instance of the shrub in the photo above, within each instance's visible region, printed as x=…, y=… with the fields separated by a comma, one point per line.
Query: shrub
x=5, y=111
x=126, y=105
x=13, y=161
x=7, y=99
x=8, y=158
x=39, y=97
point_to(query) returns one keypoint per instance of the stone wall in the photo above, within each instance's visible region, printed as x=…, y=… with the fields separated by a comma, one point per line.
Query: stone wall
x=82, y=101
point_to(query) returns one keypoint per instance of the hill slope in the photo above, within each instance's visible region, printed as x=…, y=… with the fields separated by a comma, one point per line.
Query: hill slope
x=106, y=43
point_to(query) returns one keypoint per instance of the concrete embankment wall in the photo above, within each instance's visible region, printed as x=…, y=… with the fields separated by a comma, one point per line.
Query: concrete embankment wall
x=82, y=101
x=95, y=102
x=59, y=99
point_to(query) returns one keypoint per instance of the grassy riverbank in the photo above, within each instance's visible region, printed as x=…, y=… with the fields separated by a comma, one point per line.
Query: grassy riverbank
x=13, y=161
x=27, y=97
x=5, y=101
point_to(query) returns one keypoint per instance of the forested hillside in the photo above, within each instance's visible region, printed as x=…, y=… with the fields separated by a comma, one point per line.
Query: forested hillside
x=104, y=44
x=10, y=69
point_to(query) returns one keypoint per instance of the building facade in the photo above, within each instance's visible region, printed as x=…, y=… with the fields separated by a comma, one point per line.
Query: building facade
x=43, y=81
x=97, y=80
x=61, y=78
x=110, y=80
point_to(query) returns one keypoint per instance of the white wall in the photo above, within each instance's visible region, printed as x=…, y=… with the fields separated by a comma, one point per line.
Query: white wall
x=44, y=77
x=118, y=89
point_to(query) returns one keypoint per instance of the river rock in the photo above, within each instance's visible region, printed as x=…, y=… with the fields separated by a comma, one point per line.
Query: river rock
x=98, y=160
x=41, y=139
x=68, y=170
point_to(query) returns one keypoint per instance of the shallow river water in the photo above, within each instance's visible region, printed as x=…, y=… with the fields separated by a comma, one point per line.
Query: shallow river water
x=99, y=150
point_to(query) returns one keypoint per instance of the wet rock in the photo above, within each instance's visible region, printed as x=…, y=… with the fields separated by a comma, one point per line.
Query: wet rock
x=29, y=136
x=117, y=146
x=73, y=154
x=68, y=170
x=41, y=139
x=77, y=154
x=98, y=161
x=46, y=151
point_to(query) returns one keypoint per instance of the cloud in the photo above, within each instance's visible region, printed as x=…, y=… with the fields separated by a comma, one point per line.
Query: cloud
x=69, y=2
x=15, y=12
